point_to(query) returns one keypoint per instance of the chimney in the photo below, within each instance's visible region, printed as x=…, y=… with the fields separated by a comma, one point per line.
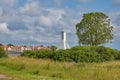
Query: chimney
x=63, y=35
x=64, y=44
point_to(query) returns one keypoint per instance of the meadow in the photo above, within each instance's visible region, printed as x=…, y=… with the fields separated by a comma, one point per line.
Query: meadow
x=21, y=68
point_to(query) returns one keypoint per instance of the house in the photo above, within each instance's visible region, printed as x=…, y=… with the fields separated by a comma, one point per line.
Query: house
x=28, y=47
x=5, y=47
x=17, y=48
x=22, y=48
x=36, y=47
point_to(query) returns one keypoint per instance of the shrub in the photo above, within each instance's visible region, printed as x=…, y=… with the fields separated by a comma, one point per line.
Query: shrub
x=62, y=55
x=77, y=54
x=107, y=53
x=3, y=53
x=28, y=53
x=37, y=53
x=43, y=53
x=118, y=57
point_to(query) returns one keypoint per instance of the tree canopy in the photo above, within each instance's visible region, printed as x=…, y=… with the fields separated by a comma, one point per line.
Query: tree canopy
x=1, y=44
x=10, y=45
x=94, y=29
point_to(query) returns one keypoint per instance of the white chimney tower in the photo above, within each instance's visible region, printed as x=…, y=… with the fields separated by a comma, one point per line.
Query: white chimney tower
x=64, y=44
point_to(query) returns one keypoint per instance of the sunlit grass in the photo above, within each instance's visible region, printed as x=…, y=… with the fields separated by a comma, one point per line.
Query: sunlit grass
x=20, y=68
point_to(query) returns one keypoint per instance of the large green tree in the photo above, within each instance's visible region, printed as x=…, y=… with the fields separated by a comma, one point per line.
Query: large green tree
x=94, y=29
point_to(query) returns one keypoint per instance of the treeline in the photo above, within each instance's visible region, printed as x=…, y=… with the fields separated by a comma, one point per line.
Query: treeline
x=77, y=54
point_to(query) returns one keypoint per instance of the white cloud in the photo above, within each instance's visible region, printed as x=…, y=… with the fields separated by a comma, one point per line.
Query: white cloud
x=115, y=17
x=115, y=22
x=4, y=28
x=56, y=13
x=45, y=21
x=43, y=24
x=32, y=8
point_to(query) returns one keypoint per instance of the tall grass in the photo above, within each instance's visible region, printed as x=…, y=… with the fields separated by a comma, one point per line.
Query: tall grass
x=20, y=68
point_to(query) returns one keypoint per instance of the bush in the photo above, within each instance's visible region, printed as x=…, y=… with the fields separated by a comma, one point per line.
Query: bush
x=43, y=53
x=28, y=53
x=77, y=54
x=37, y=53
x=107, y=53
x=118, y=57
x=62, y=55
x=3, y=53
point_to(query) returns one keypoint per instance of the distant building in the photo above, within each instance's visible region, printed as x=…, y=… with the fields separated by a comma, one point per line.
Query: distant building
x=22, y=48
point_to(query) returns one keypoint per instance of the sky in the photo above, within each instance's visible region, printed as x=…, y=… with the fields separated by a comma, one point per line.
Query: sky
x=40, y=22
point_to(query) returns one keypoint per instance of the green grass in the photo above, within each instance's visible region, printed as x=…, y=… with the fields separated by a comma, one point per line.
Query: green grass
x=20, y=68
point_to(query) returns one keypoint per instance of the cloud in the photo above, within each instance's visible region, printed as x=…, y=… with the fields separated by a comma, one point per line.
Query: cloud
x=31, y=8
x=115, y=16
x=84, y=1
x=58, y=2
x=3, y=28
x=8, y=3
x=38, y=24
x=17, y=25
x=1, y=12
x=116, y=2
x=45, y=21
x=57, y=13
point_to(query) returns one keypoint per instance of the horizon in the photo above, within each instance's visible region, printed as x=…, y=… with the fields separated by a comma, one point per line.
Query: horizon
x=40, y=22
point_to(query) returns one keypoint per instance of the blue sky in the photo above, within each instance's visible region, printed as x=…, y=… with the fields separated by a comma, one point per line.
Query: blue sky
x=40, y=22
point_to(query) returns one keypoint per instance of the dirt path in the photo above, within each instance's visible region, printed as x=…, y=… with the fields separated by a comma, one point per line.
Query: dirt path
x=4, y=77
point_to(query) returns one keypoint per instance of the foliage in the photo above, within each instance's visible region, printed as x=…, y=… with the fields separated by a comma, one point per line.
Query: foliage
x=28, y=53
x=77, y=54
x=1, y=44
x=37, y=53
x=2, y=53
x=10, y=45
x=53, y=48
x=94, y=29
x=62, y=55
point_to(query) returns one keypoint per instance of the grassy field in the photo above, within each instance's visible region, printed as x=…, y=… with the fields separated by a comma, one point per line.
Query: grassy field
x=20, y=68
